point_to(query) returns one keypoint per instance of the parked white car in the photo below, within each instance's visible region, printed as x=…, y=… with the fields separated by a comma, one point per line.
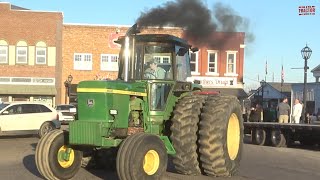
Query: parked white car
x=66, y=112
x=27, y=118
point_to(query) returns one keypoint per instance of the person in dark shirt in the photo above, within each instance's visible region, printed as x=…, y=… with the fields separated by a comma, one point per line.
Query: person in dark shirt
x=283, y=111
x=255, y=115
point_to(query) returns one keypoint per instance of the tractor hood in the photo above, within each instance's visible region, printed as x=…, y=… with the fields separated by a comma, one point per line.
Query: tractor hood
x=113, y=87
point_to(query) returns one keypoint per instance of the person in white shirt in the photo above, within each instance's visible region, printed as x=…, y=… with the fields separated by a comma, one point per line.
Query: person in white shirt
x=296, y=112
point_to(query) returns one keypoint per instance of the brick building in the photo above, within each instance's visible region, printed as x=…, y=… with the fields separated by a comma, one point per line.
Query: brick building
x=219, y=66
x=88, y=50
x=38, y=53
x=30, y=45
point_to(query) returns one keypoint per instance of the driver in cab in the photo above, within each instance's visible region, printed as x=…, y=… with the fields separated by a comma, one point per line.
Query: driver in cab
x=154, y=72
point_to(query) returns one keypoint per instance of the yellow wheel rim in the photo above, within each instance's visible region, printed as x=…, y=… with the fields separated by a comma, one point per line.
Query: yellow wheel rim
x=233, y=136
x=62, y=161
x=151, y=162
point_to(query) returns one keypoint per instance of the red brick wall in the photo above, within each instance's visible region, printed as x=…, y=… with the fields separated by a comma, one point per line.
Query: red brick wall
x=31, y=27
x=92, y=39
x=223, y=42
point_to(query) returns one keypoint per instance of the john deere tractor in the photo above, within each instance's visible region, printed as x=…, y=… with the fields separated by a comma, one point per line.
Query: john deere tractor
x=150, y=111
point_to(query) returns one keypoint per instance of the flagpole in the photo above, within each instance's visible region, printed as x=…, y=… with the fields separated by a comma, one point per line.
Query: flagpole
x=265, y=77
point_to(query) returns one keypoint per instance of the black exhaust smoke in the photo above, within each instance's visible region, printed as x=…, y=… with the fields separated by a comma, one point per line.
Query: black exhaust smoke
x=198, y=21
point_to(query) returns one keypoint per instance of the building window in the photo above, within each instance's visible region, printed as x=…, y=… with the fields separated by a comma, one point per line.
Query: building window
x=22, y=55
x=82, y=61
x=41, y=55
x=162, y=59
x=194, y=60
x=231, y=62
x=109, y=62
x=212, y=62
x=3, y=54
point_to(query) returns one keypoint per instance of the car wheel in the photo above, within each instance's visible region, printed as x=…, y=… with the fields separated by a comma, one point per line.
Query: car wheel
x=45, y=128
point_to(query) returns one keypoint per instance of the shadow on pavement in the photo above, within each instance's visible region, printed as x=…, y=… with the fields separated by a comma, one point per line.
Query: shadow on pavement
x=16, y=136
x=29, y=164
x=34, y=146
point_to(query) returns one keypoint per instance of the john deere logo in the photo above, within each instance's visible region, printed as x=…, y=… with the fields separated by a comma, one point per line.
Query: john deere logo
x=90, y=102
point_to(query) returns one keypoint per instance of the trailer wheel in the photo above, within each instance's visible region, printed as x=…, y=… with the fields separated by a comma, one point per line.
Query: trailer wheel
x=259, y=136
x=221, y=136
x=141, y=156
x=54, y=159
x=277, y=138
x=184, y=136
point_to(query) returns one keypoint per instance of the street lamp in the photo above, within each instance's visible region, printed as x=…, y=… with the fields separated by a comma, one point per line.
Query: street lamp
x=67, y=85
x=306, y=53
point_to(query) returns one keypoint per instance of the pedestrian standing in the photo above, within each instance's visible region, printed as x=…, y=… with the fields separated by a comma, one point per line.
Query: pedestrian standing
x=296, y=111
x=283, y=111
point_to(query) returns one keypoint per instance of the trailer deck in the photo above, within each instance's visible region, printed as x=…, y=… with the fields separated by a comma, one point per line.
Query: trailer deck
x=282, y=134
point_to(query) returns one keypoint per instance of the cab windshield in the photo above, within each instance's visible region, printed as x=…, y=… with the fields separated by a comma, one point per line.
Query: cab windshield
x=156, y=61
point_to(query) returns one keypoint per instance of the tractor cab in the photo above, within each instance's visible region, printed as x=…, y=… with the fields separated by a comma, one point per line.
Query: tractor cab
x=161, y=60
x=154, y=57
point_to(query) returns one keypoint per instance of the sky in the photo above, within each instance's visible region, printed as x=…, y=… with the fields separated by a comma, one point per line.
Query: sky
x=280, y=33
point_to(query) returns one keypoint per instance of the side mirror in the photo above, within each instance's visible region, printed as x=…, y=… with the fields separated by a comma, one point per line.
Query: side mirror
x=195, y=49
x=5, y=112
x=182, y=51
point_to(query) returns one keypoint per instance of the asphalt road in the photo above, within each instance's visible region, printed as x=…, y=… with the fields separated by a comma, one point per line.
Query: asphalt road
x=258, y=163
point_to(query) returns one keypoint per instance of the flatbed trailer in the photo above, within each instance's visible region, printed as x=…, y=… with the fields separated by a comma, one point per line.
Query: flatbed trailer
x=282, y=134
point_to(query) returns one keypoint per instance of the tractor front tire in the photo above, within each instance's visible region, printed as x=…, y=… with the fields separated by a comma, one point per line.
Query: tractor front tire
x=141, y=157
x=50, y=159
x=221, y=136
x=184, y=135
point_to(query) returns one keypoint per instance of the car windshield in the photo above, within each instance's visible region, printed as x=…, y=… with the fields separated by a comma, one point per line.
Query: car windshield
x=3, y=106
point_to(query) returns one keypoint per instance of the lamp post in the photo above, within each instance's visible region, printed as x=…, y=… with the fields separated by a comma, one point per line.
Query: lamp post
x=306, y=53
x=67, y=85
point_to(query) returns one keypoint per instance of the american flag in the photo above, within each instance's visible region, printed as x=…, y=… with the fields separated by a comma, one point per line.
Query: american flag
x=282, y=76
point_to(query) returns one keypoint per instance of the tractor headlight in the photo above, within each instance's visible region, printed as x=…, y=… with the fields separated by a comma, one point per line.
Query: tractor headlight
x=113, y=112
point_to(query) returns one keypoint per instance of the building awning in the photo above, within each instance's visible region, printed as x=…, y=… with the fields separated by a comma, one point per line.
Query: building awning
x=27, y=89
x=238, y=92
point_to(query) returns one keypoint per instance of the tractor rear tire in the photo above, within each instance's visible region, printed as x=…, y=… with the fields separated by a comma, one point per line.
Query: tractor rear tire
x=142, y=157
x=48, y=157
x=184, y=135
x=221, y=136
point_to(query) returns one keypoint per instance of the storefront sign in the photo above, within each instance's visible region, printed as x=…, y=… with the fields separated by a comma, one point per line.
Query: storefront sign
x=27, y=81
x=211, y=82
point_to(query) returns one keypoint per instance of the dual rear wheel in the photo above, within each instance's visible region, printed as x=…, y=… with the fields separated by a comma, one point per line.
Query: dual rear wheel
x=207, y=133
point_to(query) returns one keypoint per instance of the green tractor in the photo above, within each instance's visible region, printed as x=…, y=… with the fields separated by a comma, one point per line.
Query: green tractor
x=150, y=111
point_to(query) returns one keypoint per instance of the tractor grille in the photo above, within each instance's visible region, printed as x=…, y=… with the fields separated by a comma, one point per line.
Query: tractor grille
x=85, y=133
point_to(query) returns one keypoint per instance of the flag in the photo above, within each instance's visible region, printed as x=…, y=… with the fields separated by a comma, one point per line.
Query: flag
x=266, y=67
x=282, y=76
